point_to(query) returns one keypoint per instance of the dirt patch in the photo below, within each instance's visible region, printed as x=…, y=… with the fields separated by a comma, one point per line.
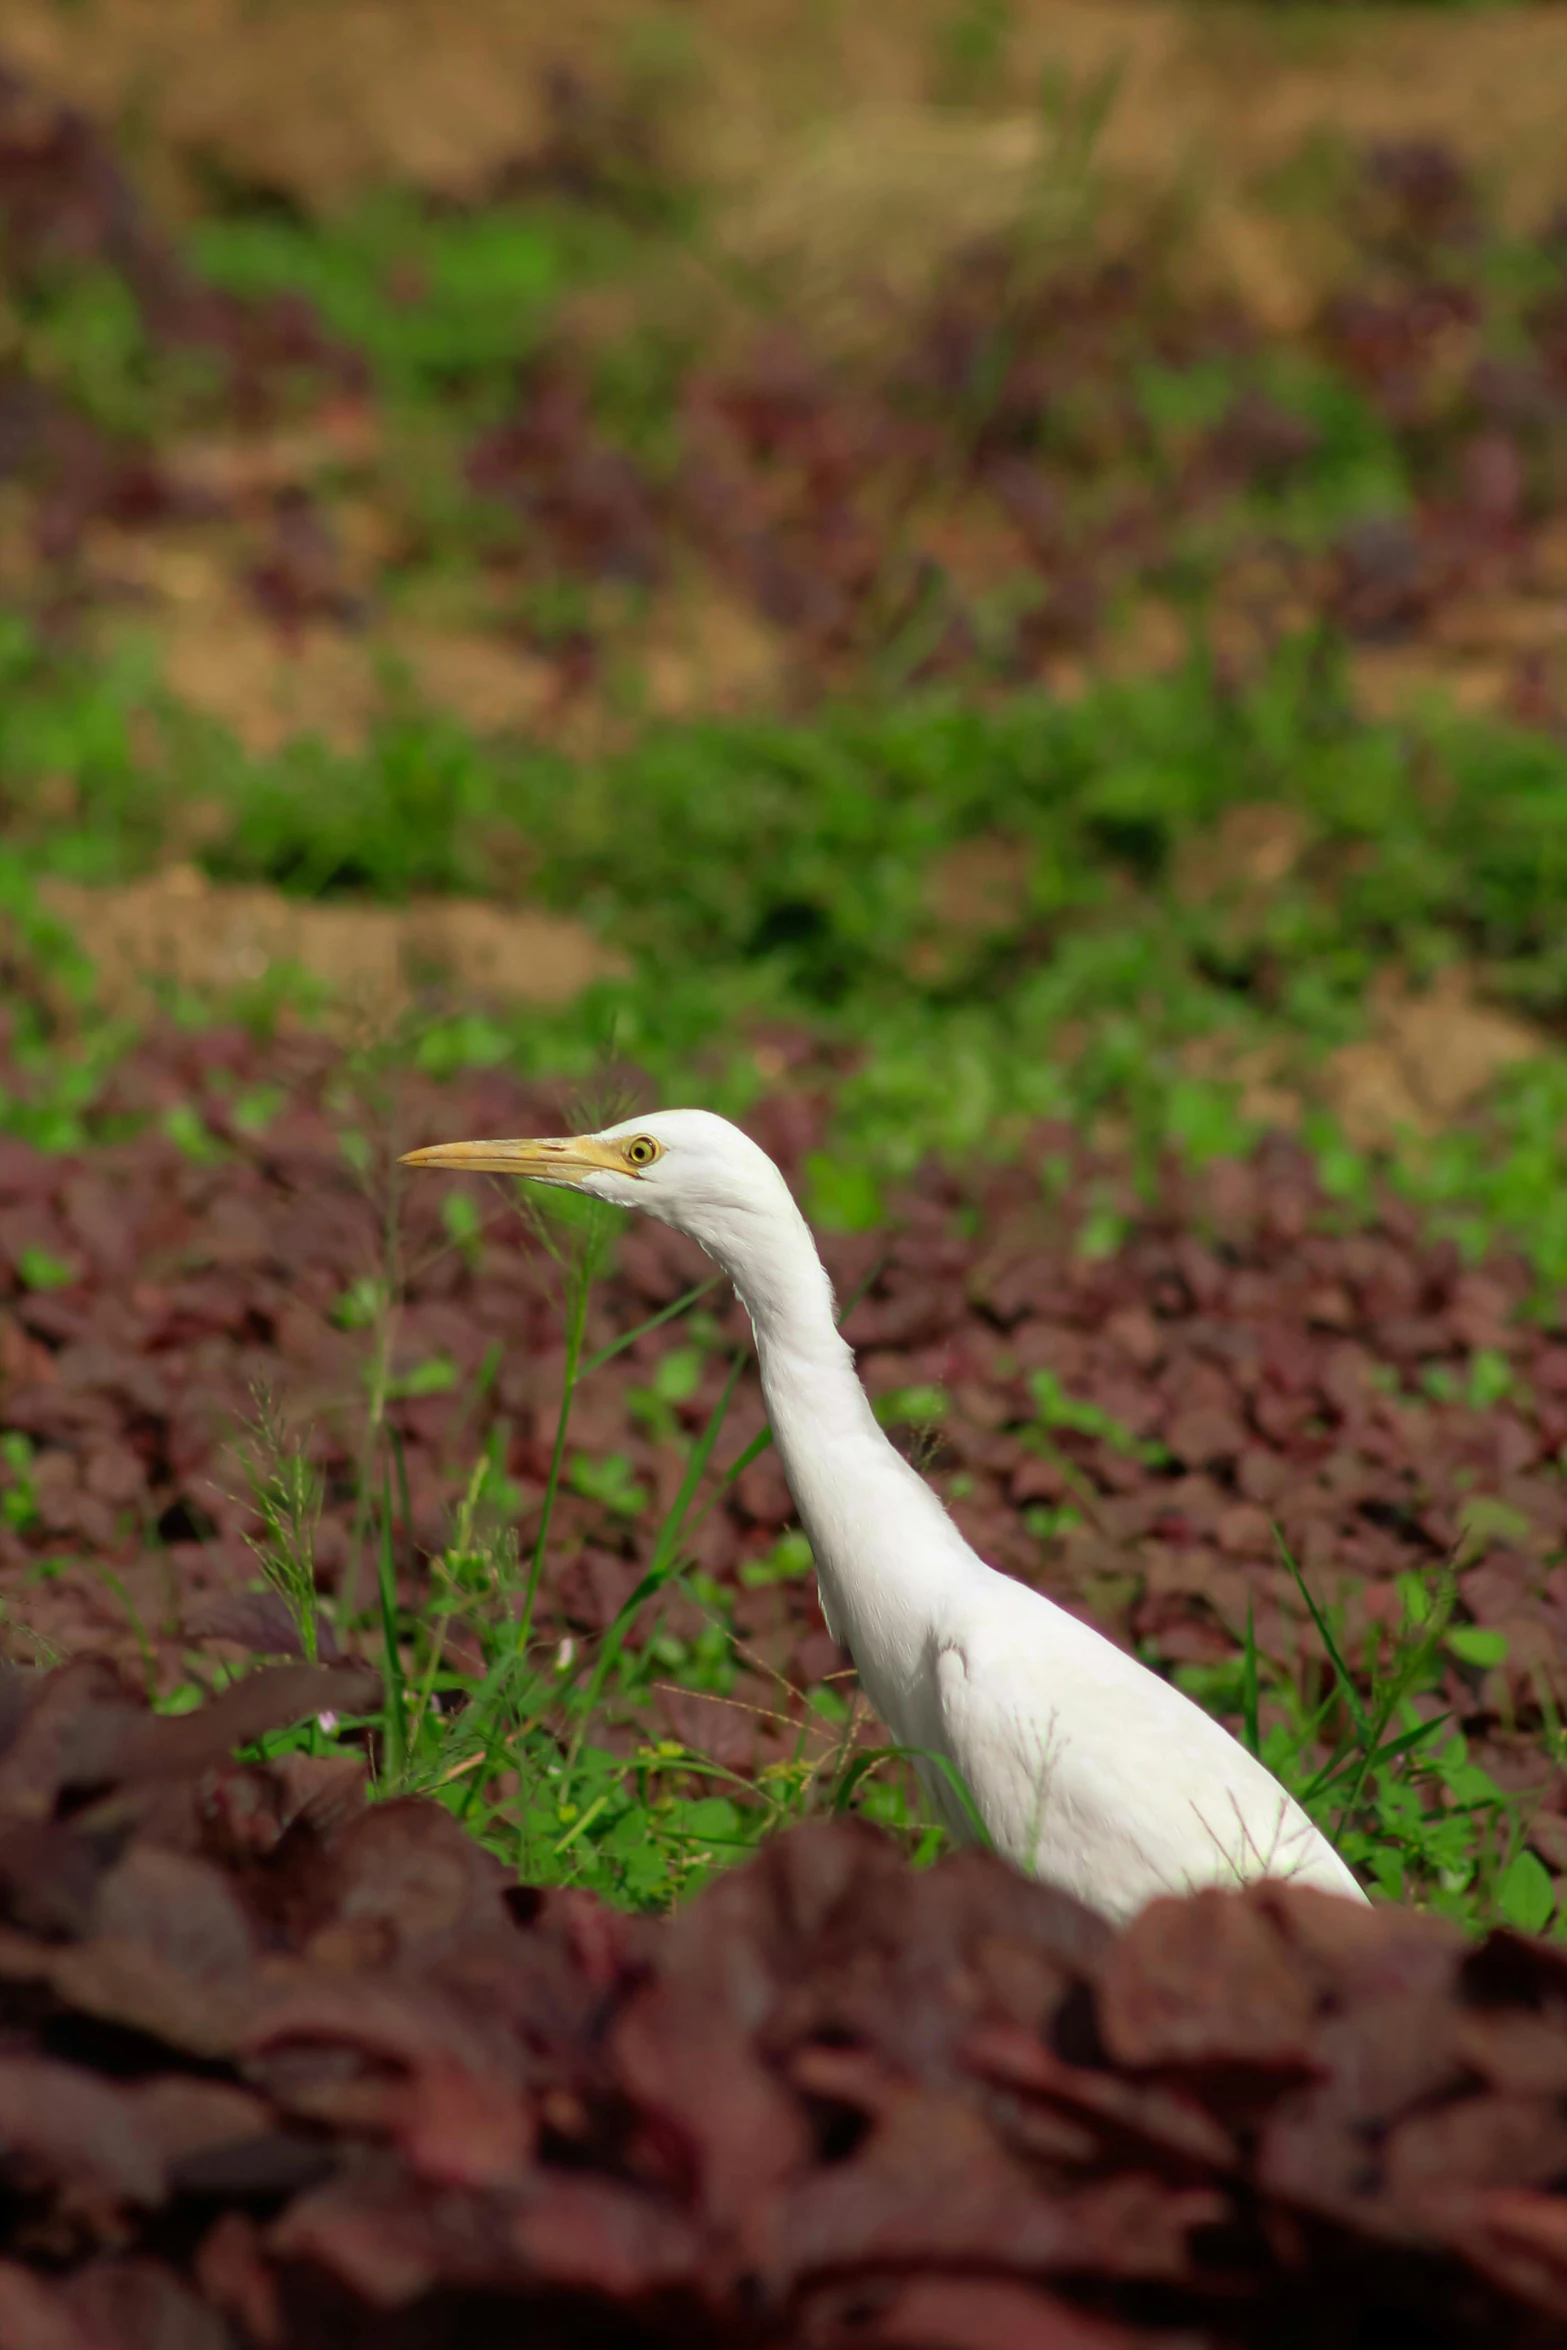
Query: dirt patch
x=705, y=652
x=1433, y=1056
x=493, y=687
x=831, y=120
x=221, y=658
x=859, y=213
x=317, y=104
x=980, y=886
x=1246, y=855
x=179, y=929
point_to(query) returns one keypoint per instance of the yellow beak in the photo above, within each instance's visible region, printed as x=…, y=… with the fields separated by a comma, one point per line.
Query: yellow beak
x=554, y=1159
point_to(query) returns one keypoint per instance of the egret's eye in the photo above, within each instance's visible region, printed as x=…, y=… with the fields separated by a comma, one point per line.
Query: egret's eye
x=642, y=1150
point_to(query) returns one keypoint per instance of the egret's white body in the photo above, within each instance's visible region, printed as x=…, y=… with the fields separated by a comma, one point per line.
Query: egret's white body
x=1086, y=1768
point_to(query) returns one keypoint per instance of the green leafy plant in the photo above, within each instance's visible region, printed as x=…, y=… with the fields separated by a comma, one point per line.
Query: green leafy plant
x=514, y=1742
x=18, y=1493
x=1059, y=1411
x=286, y=1492
x=38, y=1268
x=1372, y=1756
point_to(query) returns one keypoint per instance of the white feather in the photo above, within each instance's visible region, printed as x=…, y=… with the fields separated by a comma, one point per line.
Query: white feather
x=1086, y=1768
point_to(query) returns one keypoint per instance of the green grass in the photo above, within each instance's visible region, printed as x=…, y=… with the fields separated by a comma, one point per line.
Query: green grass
x=769, y=871
x=444, y=307
x=805, y=850
x=1362, y=1746
x=437, y=305
x=514, y=1743
x=515, y=1746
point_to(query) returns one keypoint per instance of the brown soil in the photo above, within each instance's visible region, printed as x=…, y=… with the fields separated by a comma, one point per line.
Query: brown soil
x=177, y=928
x=1429, y=1059
x=815, y=114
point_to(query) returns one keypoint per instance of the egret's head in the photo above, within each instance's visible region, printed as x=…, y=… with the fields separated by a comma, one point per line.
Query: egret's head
x=686, y=1167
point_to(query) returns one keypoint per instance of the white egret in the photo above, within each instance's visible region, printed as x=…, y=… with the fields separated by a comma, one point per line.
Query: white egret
x=1086, y=1768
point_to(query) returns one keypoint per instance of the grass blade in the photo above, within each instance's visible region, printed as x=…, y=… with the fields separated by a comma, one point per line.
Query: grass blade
x=395, y=1735
x=1249, y=1707
x=600, y=1803
x=1343, y=1757
x=607, y=1354
x=665, y=1553
x=405, y=1508
x=1342, y=1674
x=1407, y=1741
x=576, y=1321
x=947, y=1769
x=696, y=1468
x=1413, y=1660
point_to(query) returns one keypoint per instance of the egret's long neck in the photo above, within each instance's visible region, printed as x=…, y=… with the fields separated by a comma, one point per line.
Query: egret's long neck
x=858, y=1499
x=808, y=1373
